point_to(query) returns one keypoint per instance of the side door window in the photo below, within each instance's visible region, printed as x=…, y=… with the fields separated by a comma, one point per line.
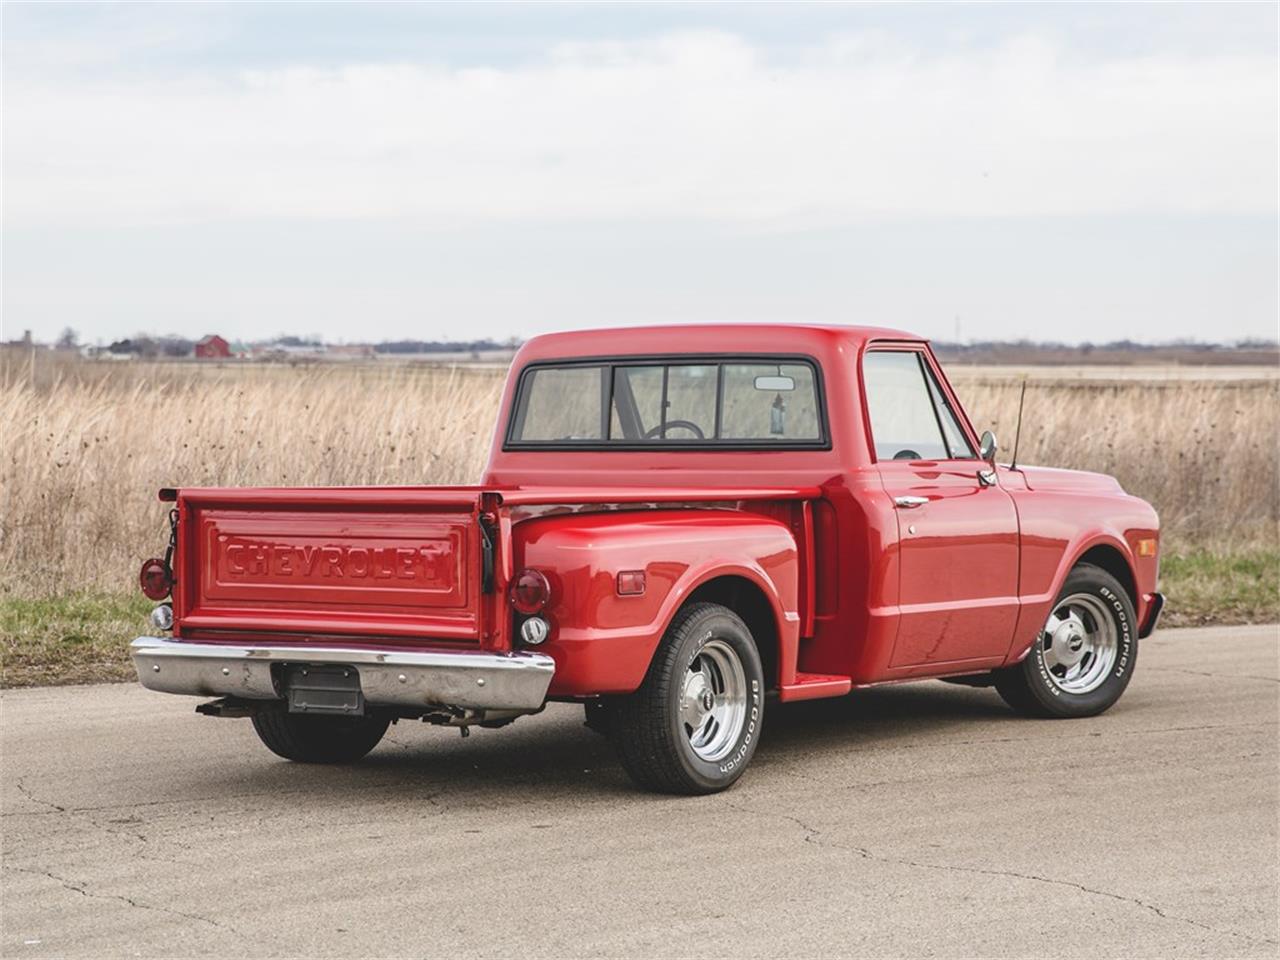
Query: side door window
x=957, y=443
x=909, y=416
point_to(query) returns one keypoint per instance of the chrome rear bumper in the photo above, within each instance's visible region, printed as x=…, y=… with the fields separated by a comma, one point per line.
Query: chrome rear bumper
x=481, y=681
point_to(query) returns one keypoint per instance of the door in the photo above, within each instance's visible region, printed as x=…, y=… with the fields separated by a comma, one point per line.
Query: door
x=957, y=529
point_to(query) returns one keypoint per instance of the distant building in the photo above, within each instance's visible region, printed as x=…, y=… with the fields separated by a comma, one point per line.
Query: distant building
x=213, y=347
x=283, y=350
x=128, y=348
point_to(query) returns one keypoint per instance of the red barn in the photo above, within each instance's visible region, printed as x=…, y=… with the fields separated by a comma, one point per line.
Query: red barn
x=213, y=347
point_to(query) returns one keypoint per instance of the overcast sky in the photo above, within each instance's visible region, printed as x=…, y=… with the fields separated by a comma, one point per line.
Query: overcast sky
x=1083, y=172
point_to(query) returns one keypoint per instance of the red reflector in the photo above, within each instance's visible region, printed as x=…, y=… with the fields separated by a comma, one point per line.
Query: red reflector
x=155, y=579
x=630, y=583
x=529, y=591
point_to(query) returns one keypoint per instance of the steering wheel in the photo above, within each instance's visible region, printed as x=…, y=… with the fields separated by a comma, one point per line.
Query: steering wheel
x=906, y=455
x=661, y=429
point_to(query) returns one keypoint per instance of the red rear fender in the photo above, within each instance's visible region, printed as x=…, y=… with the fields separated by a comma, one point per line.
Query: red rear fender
x=603, y=641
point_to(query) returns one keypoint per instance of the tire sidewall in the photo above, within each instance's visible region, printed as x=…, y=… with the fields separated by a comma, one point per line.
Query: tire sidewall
x=1100, y=584
x=319, y=739
x=728, y=628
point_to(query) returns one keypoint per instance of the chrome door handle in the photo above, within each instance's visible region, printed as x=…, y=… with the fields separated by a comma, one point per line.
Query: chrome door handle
x=910, y=503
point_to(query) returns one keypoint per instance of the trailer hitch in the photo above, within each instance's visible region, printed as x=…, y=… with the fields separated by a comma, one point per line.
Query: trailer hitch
x=230, y=707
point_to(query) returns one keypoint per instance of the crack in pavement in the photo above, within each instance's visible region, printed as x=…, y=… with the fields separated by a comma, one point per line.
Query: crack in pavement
x=942, y=745
x=22, y=789
x=814, y=836
x=1218, y=676
x=83, y=814
x=281, y=793
x=82, y=888
x=112, y=828
x=388, y=738
x=379, y=787
x=125, y=829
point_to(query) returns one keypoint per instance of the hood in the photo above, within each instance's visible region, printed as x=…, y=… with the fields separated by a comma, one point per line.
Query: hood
x=1082, y=481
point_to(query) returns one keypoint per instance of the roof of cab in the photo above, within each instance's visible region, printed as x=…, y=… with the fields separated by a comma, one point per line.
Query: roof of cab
x=706, y=338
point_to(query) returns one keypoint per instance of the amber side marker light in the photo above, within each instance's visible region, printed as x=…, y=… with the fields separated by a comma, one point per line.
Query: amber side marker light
x=155, y=579
x=1147, y=547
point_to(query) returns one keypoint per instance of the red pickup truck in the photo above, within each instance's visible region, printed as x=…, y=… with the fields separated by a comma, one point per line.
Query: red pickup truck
x=675, y=526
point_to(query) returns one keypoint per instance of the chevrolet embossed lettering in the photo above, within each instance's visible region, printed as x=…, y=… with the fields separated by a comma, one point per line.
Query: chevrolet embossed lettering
x=424, y=564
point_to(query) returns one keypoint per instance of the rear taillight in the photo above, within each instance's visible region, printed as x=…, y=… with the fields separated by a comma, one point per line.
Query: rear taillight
x=530, y=592
x=155, y=579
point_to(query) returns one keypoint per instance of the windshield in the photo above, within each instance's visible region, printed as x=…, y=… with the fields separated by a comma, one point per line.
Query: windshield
x=747, y=402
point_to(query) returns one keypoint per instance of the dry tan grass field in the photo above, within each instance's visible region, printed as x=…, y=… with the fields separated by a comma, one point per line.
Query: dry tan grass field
x=87, y=444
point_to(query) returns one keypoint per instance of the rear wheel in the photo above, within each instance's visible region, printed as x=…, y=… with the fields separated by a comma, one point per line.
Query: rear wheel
x=318, y=739
x=1084, y=655
x=693, y=725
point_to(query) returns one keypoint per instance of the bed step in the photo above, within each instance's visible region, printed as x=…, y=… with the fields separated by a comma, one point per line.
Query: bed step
x=815, y=686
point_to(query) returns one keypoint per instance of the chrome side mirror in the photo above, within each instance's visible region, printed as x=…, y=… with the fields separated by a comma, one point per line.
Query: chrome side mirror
x=987, y=447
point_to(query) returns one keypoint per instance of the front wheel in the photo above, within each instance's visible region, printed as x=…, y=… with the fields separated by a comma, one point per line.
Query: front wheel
x=1084, y=655
x=318, y=739
x=693, y=725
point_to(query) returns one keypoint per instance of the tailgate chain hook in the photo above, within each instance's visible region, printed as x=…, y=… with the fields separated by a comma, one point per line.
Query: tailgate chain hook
x=173, y=542
x=487, y=564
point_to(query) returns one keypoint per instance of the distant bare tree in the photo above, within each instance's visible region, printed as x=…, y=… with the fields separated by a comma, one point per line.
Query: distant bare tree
x=68, y=339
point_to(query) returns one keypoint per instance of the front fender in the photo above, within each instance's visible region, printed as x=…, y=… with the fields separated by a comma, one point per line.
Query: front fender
x=1053, y=542
x=602, y=642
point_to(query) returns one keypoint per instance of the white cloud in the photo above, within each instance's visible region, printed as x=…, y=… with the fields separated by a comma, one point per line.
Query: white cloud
x=694, y=125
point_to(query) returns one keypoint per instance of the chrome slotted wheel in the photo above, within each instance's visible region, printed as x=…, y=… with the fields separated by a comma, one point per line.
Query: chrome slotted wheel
x=1079, y=644
x=713, y=701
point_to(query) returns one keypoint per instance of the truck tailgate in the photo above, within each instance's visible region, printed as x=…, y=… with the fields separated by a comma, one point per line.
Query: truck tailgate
x=376, y=562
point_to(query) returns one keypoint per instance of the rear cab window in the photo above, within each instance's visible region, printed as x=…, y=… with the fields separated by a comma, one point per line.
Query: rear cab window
x=909, y=415
x=684, y=402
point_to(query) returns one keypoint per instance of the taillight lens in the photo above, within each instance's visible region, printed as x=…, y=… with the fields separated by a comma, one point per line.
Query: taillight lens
x=155, y=579
x=530, y=592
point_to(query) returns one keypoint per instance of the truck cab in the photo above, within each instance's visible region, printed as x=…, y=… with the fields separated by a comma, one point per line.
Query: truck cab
x=677, y=527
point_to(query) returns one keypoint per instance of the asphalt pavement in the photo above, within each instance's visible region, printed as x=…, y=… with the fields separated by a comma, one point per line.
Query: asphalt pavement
x=911, y=820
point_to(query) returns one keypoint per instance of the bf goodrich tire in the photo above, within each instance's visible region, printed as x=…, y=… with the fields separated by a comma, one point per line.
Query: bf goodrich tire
x=693, y=725
x=318, y=739
x=1084, y=655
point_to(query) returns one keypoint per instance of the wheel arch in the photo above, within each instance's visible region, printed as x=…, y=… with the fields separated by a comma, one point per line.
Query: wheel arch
x=1101, y=550
x=749, y=600
x=1112, y=559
